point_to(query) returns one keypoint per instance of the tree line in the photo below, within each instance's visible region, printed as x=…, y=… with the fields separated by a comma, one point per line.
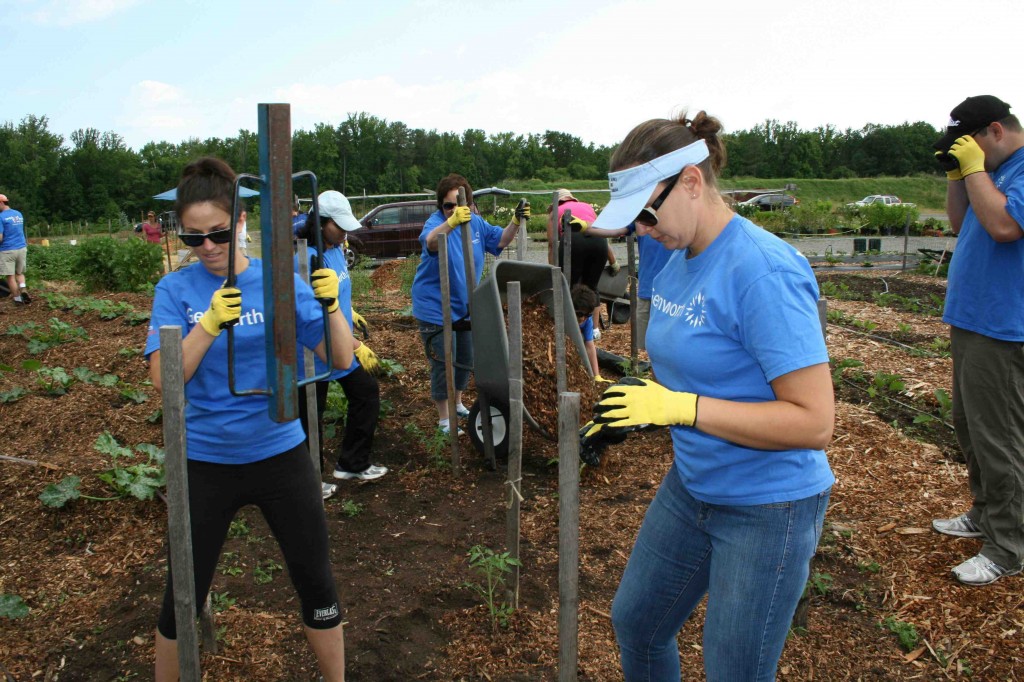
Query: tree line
x=95, y=175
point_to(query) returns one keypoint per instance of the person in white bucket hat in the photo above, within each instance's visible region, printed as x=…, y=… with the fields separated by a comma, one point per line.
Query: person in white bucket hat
x=744, y=385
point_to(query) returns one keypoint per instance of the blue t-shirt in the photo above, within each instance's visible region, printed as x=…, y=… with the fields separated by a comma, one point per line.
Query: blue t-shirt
x=221, y=427
x=12, y=227
x=587, y=329
x=724, y=324
x=334, y=258
x=653, y=257
x=299, y=222
x=984, y=292
x=426, y=286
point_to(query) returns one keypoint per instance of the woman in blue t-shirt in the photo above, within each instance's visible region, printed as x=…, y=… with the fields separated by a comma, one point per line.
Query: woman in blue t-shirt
x=743, y=382
x=237, y=455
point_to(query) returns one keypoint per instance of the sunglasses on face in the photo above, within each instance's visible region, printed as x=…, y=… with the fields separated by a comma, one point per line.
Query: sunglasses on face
x=648, y=216
x=194, y=239
x=448, y=205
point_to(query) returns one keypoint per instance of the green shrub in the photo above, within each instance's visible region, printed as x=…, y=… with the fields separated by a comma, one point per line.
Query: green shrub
x=109, y=264
x=52, y=263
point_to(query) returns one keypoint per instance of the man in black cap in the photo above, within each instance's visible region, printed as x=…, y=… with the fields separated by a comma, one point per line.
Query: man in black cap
x=982, y=153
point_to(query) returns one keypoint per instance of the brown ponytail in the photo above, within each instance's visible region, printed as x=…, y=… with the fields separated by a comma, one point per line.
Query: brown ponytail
x=660, y=136
x=206, y=179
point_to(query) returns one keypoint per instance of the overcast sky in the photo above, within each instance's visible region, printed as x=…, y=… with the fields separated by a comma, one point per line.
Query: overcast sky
x=169, y=70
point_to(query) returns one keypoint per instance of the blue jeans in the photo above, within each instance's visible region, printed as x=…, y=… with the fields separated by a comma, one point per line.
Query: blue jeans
x=751, y=561
x=433, y=342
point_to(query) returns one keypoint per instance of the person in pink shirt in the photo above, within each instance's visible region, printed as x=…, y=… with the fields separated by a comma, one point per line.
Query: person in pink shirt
x=151, y=229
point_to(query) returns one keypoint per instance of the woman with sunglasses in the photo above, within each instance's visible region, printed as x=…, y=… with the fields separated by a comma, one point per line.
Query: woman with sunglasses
x=237, y=455
x=744, y=385
x=447, y=223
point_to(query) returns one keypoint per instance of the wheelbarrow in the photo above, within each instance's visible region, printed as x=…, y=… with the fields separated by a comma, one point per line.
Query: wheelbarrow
x=490, y=345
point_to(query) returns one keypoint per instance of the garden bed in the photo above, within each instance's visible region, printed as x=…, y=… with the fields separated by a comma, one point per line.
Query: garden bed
x=92, y=573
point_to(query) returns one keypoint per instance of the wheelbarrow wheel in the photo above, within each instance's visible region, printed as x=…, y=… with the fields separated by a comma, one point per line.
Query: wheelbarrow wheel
x=499, y=429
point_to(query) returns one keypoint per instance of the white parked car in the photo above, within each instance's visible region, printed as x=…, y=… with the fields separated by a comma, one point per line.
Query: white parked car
x=885, y=199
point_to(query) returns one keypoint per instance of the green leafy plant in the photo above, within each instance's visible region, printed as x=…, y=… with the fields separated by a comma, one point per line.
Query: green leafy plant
x=883, y=382
x=869, y=566
x=134, y=395
x=221, y=601
x=138, y=479
x=53, y=380
x=263, y=572
x=492, y=567
x=12, y=606
x=109, y=264
x=906, y=632
x=837, y=372
x=351, y=508
x=13, y=395
x=389, y=368
x=128, y=352
x=156, y=416
x=437, y=444
x=821, y=582
x=238, y=529
x=56, y=333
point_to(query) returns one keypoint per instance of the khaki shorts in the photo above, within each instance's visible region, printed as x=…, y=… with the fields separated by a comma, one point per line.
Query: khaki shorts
x=12, y=262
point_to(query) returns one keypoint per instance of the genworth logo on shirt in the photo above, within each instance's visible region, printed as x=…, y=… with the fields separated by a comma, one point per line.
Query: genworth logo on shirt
x=251, y=316
x=693, y=312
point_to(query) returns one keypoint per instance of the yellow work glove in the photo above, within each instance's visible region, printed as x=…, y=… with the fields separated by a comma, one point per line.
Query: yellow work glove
x=225, y=309
x=968, y=155
x=460, y=214
x=633, y=402
x=579, y=225
x=949, y=164
x=325, y=287
x=601, y=380
x=359, y=324
x=367, y=358
x=522, y=214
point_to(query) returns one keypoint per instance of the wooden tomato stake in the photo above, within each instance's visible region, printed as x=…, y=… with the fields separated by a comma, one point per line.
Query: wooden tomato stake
x=449, y=367
x=568, y=534
x=515, y=434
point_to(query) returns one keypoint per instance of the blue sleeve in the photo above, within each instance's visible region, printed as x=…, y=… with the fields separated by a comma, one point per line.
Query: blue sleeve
x=309, y=317
x=780, y=327
x=165, y=311
x=1015, y=201
x=587, y=329
x=435, y=219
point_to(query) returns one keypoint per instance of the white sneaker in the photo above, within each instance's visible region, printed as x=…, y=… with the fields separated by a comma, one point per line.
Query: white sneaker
x=461, y=410
x=980, y=570
x=442, y=426
x=329, y=490
x=370, y=473
x=961, y=527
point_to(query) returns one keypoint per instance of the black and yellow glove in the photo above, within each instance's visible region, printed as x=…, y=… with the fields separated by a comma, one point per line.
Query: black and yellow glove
x=635, y=402
x=367, y=358
x=460, y=214
x=594, y=438
x=359, y=325
x=224, y=311
x=949, y=164
x=522, y=213
x=579, y=225
x=325, y=287
x=969, y=156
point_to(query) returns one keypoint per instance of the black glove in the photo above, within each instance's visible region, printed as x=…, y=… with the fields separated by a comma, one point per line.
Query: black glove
x=948, y=163
x=522, y=213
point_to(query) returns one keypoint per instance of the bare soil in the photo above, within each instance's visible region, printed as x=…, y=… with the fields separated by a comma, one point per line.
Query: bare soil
x=92, y=573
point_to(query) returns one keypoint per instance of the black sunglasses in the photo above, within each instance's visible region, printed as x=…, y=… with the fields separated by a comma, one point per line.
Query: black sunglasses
x=648, y=215
x=448, y=205
x=194, y=239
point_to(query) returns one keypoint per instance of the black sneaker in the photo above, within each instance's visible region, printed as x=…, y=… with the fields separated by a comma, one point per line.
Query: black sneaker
x=26, y=299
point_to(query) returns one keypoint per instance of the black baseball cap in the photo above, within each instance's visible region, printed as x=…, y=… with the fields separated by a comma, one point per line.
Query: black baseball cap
x=971, y=114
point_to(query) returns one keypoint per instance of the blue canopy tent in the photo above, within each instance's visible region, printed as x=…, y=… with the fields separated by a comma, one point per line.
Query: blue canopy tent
x=172, y=194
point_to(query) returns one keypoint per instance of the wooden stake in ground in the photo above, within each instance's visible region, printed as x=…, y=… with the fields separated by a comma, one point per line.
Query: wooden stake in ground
x=468, y=256
x=568, y=534
x=557, y=312
x=172, y=376
x=309, y=391
x=449, y=367
x=634, y=337
x=515, y=432
x=521, y=236
x=553, y=240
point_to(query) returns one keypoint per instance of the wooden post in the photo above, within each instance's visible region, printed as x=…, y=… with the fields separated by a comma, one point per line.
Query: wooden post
x=558, y=312
x=467, y=256
x=567, y=251
x=312, y=414
x=634, y=333
x=568, y=534
x=515, y=432
x=823, y=316
x=553, y=241
x=521, y=239
x=906, y=240
x=172, y=376
x=449, y=366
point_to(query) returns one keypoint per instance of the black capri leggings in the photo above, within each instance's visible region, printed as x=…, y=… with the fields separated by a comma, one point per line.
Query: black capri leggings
x=288, y=494
x=589, y=256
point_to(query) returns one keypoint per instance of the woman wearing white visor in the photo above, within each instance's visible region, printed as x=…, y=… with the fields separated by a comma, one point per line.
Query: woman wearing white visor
x=743, y=383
